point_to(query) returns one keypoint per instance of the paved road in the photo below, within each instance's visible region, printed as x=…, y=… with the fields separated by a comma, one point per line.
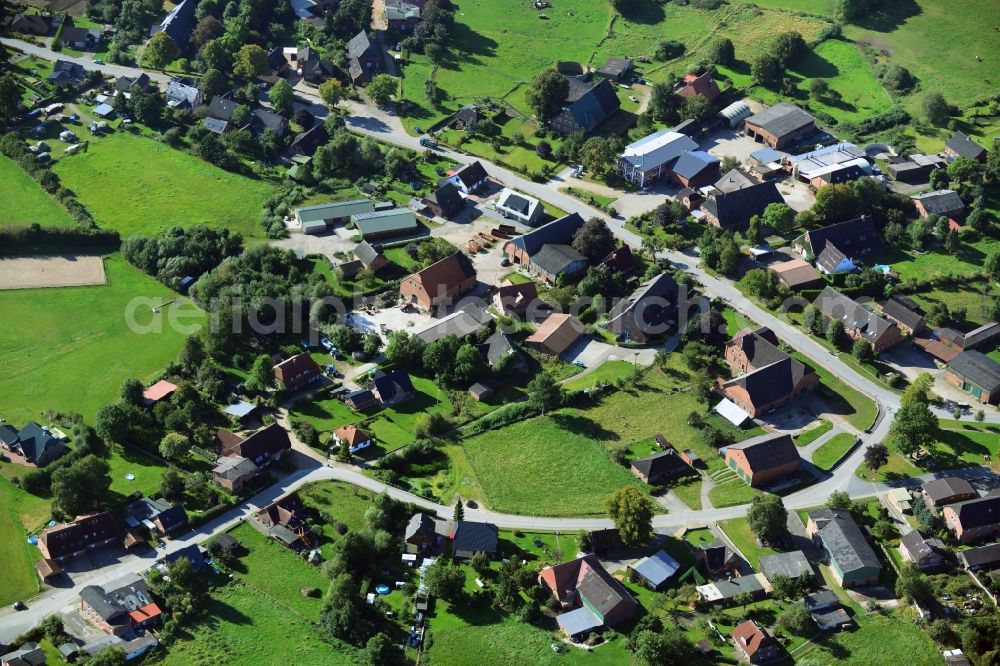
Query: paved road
x=86, y=61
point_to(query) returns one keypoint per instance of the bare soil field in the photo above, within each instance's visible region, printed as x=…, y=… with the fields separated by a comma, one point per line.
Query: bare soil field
x=65, y=270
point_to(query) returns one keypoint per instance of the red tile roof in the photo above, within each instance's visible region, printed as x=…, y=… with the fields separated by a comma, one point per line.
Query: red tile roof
x=159, y=391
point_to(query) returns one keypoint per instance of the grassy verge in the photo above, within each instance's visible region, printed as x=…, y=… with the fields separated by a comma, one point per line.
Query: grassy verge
x=830, y=453
x=809, y=436
x=855, y=407
x=739, y=533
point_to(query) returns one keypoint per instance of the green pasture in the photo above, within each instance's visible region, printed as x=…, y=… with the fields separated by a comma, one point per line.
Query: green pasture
x=25, y=202
x=70, y=348
x=140, y=186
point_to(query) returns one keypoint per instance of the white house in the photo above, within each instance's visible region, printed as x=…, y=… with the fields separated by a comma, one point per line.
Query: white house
x=648, y=159
x=516, y=206
x=356, y=439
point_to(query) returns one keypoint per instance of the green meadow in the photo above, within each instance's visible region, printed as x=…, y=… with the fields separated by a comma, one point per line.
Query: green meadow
x=25, y=202
x=140, y=186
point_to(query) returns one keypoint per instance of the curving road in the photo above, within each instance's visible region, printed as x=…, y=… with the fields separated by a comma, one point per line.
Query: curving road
x=386, y=127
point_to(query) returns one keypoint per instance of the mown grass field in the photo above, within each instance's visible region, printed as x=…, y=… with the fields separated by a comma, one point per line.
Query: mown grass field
x=137, y=185
x=25, y=202
x=276, y=571
x=70, y=348
x=878, y=639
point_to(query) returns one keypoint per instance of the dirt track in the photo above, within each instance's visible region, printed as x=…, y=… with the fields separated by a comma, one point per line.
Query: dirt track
x=64, y=270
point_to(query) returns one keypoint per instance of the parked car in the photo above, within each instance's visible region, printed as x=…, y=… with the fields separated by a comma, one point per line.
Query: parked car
x=98, y=61
x=19, y=606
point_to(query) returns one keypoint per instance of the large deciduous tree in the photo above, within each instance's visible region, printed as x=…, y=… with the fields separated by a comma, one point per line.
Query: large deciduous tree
x=250, y=61
x=594, y=239
x=632, y=513
x=160, y=51
x=768, y=518
x=547, y=93
x=381, y=89
x=82, y=486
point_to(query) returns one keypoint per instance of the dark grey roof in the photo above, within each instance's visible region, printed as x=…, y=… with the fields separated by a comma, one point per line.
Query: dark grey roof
x=366, y=253
x=821, y=600
x=853, y=238
x=221, y=108
x=734, y=209
x=130, y=592
x=941, y=202
x=830, y=258
x=602, y=592
x=658, y=464
x=856, y=317
x=555, y=259
x=447, y=198
x=790, y=565
x=8, y=434
x=472, y=173
x=899, y=311
x=758, y=348
x=978, y=336
x=192, y=553
x=178, y=90
x=178, y=23
x=125, y=83
x=692, y=163
x=102, y=603
x=916, y=545
x=497, y=346
x=847, y=545
x=768, y=451
x=982, y=556
x=770, y=383
x=963, y=146
x=34, y=441
x=977, y=368
x=781, y=119
x=728, y=589
x=173, y=518
x=393, y=385
x=733, y=180
x=717, y=554
x=946, y=488
x=978, y=512
x=266, y=119
x=475, y=536
x=359, y=45
x=517, y=203
x=559, y=231
x=615, y=66
x=216, y=125
x=648, y=308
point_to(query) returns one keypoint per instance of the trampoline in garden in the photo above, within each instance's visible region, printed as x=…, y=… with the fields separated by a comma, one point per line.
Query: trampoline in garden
x=33, y=540
x=382, y=588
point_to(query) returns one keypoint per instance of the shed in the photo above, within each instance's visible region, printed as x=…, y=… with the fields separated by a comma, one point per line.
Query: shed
x=732, y=412
x=480, y=392
x=655, y=570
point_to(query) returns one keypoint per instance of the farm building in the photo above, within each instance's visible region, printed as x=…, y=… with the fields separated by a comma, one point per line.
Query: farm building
x=515, y=299
x=780, y=125
x=852, y=559
x=792, y=565
x=796, y=274
x=617, y=69
x=660, y=467
x=364, y=58
x=546, y=251
x=587, y=105
x=940, y=202
x=735, y=113
x=589, y=595
x=915, y=168
x=324, y=216
x=555, y=334
x=445, y=201
x=904, y=312
x=925, y=553
x=973, y=520
x=733, y=210
x=763, y=459
x=977, y=374
x=947, y=490
x=695, y=168
x=654, y=571
x=385, y=223
x=649, y=159
x=439, y=284
x=960, y=145
x=178, y=24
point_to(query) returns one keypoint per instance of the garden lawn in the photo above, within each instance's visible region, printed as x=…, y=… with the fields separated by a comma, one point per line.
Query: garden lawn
x=78, y=348
x=25, y=202
x=975, y=302
x=883, y=638
x=546, y=466
x=140, y=186
x=688, y=490
x=967, y=260
x=830, y=453
x=812, y=434
x=278, y=572
x=342, y=502
x=731, y=492
x=243, y=625
x=743, y=538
